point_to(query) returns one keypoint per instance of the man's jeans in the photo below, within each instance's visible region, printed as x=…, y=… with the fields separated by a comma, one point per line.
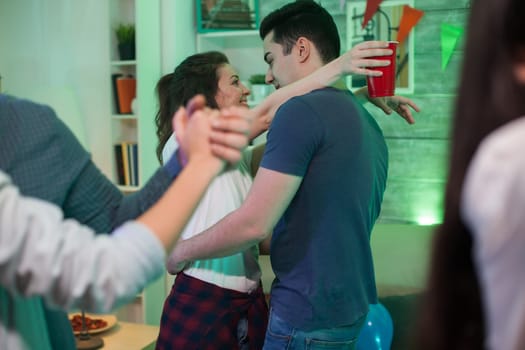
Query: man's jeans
x=280, y=335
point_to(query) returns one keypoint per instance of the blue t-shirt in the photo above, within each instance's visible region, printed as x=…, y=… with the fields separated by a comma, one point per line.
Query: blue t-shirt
x=320, y=250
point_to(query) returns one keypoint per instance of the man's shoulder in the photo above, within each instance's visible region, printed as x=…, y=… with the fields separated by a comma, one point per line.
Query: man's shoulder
x=328, y=98
x=317, y=95
x=34, y=123
x=20, y=111
x=326, y=91
x=328, y=94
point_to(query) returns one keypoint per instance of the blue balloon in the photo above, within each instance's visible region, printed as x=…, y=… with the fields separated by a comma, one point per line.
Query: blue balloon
x=377, y=331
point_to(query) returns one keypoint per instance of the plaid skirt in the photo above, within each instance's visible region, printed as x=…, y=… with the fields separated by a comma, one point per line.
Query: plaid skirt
x=202, y=316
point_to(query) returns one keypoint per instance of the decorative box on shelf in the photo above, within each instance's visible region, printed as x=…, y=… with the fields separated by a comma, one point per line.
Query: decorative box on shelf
x=223, y=15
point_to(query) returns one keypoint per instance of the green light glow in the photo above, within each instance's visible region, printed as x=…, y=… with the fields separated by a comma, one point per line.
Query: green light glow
x=426, y=220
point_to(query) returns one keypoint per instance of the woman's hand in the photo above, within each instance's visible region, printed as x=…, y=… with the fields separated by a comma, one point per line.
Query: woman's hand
x=357, y=60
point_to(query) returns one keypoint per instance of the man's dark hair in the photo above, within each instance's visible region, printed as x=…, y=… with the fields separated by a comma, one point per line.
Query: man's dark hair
x=303, y=18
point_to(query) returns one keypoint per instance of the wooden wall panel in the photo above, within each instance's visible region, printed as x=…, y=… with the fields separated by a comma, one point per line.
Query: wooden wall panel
x=432, y=122
x=414, y=202
x=417, y=170
x=417, y=160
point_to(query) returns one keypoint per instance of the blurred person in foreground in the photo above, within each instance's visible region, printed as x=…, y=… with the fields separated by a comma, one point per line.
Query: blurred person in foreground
x=66, y=264
x=476, y=287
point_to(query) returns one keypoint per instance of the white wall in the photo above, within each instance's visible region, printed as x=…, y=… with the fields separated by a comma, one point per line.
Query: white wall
x=56, y=52
x=177, y=16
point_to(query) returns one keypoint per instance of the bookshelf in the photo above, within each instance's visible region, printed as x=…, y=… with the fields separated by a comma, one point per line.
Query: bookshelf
x=124, y=124
x=123, y=113
x=138, y=127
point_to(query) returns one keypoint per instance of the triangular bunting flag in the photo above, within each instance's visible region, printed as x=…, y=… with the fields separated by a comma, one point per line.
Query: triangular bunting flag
x=371, y=9
x=409, y=19
x=342, y=4
x=449, y=38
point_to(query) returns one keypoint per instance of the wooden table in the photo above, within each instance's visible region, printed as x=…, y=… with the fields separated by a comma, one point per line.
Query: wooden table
x=130, y=336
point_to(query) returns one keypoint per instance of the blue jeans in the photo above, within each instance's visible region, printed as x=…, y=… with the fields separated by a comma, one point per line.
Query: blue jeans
x=280, y=335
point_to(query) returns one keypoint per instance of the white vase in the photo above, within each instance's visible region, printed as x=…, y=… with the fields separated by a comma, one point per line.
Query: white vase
x=135, y=106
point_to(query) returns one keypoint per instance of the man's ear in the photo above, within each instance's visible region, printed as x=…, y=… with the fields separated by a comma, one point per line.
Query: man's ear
x=303, y=47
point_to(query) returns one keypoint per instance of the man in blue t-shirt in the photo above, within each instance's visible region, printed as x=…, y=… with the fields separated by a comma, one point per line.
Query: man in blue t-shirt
x=319, y=187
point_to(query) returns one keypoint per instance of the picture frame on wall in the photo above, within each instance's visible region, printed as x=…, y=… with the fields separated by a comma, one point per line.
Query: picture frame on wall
x=223, y=15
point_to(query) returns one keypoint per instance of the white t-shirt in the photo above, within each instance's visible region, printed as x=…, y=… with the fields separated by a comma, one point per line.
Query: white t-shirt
x=493, y=206
x=241, y=271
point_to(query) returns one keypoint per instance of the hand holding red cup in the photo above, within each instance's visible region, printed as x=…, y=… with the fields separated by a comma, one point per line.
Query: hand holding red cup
x=384, y=85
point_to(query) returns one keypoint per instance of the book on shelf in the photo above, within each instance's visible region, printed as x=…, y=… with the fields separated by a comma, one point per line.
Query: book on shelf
x=133, y=164
x=114, y=78
x=119, y=164
x=136, y=163
x=126, y=160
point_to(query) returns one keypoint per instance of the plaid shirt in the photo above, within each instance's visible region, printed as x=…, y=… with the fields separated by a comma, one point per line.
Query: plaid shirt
x=202, y=316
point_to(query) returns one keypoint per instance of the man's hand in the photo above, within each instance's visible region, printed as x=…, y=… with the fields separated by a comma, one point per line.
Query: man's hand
x=230, y=134
x=175, y=267
x=227, y=131
x=399, y=104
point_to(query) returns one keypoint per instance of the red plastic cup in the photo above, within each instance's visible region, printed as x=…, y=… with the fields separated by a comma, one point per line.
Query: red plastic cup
x=384, y=85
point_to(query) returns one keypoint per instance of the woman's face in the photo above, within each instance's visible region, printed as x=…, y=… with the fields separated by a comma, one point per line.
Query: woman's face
x=230, y=90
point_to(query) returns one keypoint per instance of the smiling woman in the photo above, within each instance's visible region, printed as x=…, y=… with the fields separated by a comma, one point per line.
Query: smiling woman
x=230, y=90
x=197, y=74
x=232, y=283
